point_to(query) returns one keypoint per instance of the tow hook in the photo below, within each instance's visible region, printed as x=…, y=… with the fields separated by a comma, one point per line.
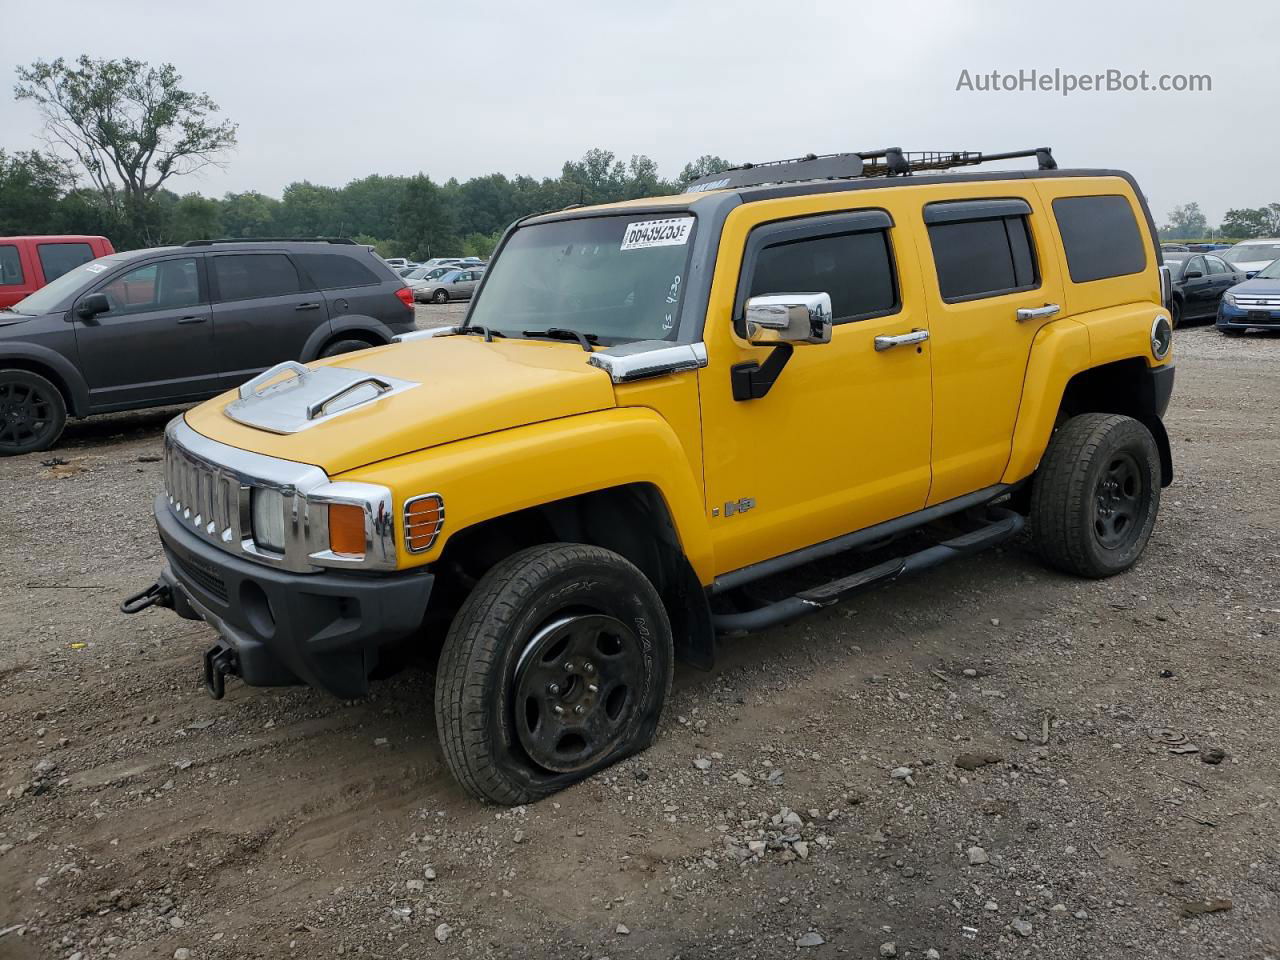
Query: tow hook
x=219, y=663
x=157, y=595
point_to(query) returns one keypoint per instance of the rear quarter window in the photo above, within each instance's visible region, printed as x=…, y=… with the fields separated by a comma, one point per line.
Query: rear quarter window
x=1100, y=237
x=333, y=271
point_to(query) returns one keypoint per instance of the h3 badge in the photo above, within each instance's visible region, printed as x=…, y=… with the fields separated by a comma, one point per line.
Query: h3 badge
x=735, y=506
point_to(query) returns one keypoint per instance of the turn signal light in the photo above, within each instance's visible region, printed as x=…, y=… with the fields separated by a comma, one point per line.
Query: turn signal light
x=423, y=518
x=346, y=530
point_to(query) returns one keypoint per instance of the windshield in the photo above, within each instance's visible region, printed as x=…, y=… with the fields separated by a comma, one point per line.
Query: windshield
x=1251, y=252
x=47, y=298
x=1269, y=272
x=619, y=277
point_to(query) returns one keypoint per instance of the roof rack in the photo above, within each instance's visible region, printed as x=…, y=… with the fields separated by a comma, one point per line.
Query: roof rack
x=210, y=243
x=889, y=162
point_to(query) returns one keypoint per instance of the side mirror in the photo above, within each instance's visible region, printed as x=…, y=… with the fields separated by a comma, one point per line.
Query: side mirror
x=92, y=305
x=1192, y=275
x=789, y=318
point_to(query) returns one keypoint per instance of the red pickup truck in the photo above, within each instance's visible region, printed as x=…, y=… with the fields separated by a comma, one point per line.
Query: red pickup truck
x=28, y=263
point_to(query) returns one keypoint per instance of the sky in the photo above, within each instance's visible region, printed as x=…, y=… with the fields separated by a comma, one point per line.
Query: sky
x=332, y=91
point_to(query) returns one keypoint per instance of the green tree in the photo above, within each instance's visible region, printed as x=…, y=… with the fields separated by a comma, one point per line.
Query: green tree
x=308, y=210
x=249, y=214
x=424, y=223
x=195, y=218
x=128, y=126
x=705, y=164
x=1186, y=222
x=1250, y=222
x=31, y=190
x=369, y=205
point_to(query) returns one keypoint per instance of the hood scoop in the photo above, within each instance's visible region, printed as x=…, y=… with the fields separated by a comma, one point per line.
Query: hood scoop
x=290, y=397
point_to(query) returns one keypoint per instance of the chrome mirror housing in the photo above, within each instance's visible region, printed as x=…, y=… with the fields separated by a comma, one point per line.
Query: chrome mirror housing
x=789, y=318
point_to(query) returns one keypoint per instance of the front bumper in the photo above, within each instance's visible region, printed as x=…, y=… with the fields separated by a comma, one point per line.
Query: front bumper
x=322, y=629
x=1237, y=318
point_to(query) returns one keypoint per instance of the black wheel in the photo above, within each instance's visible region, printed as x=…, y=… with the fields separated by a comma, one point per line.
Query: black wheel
x=1177, y=313
x=343, y=346
x=1095, y=497
x=32, y=413
x=556, y=666
x=440, y=296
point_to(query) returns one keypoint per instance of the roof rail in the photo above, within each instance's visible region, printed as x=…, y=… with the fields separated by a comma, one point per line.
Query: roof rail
x=210, y=243
x=889, y=162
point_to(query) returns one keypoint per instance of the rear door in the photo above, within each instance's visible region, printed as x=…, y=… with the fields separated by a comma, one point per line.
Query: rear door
x=264, y=311
x=155, y=344
x=990, y=253
x=355, y=286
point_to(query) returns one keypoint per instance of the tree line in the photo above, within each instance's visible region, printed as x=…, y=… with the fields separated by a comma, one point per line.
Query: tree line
x=1188, y=222
x=119, y=132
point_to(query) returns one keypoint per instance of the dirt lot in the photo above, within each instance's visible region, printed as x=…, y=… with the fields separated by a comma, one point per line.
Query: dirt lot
x=142, y=819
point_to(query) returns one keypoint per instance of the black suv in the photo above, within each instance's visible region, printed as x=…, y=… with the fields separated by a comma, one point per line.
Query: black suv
x=178, y=324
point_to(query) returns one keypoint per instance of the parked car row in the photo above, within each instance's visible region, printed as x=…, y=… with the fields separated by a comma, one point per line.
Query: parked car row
x=177, y=324
x=1238, y=290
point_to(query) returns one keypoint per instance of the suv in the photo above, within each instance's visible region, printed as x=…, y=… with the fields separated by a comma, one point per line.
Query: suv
x=654, y=405
x=28, y=263
x=176, y=324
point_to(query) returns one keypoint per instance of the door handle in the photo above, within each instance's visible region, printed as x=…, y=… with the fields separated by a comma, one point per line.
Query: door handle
x=901, y=340
x=307, y=306
x=196, y=319
x=1035, y=313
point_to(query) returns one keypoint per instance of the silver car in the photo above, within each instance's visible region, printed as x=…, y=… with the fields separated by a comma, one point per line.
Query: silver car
x=454, y=285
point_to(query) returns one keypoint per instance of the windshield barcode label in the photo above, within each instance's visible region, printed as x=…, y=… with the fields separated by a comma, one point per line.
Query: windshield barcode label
x=657, y=233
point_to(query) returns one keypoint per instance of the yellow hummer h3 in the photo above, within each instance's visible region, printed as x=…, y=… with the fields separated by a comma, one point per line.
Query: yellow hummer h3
x=653, y=404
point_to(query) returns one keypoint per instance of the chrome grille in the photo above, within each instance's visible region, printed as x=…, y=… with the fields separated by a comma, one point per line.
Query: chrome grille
x=209, y=499
x=1250, y=302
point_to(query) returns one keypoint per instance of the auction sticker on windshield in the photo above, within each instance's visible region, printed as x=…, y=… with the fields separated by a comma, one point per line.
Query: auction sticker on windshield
x=657, y=233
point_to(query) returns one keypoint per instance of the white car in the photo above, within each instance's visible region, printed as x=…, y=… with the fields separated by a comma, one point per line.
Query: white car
x=1250, y=256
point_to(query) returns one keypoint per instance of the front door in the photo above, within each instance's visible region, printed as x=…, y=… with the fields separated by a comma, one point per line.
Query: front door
x=841, y=440
x=992, y=281
x=155, y=344
x=264, y=312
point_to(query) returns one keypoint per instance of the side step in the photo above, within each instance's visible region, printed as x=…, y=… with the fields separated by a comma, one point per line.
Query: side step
x=1003, y=525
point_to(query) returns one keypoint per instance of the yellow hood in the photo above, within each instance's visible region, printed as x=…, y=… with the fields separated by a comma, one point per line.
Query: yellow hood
x=467, y=388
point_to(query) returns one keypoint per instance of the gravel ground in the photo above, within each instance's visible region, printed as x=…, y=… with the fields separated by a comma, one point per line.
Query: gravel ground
x=813, y=795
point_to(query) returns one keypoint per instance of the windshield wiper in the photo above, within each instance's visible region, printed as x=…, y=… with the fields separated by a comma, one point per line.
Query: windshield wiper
x=479, y=328
x=560, y=333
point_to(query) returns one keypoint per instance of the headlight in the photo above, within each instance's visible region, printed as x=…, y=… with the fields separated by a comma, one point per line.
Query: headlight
x=268, y=518
x=1229, y=298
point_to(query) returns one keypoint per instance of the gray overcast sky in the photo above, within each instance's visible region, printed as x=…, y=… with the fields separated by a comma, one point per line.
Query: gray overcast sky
x=331, y=91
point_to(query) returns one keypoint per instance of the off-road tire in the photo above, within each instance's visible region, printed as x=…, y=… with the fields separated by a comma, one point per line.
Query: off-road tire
x=502, y=616
x=346, y=345
x=1067, y=494
x=440, y=296
x=23, y=395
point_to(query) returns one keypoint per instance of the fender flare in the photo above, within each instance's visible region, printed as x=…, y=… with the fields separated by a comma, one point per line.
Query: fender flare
x=66, y=375
x=337, y=326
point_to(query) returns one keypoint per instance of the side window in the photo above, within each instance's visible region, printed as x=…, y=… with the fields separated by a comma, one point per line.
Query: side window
x=165, y=285
x=1100, y=237
x=10, y=266
x=1216, y=265
x=249, y=276
x=59, y=258
x=981, y=256
x=856, y=269
x=333, y=271
x=1196, y=264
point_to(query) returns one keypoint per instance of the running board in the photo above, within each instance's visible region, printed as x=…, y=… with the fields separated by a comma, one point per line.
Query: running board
x=1004, y=524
